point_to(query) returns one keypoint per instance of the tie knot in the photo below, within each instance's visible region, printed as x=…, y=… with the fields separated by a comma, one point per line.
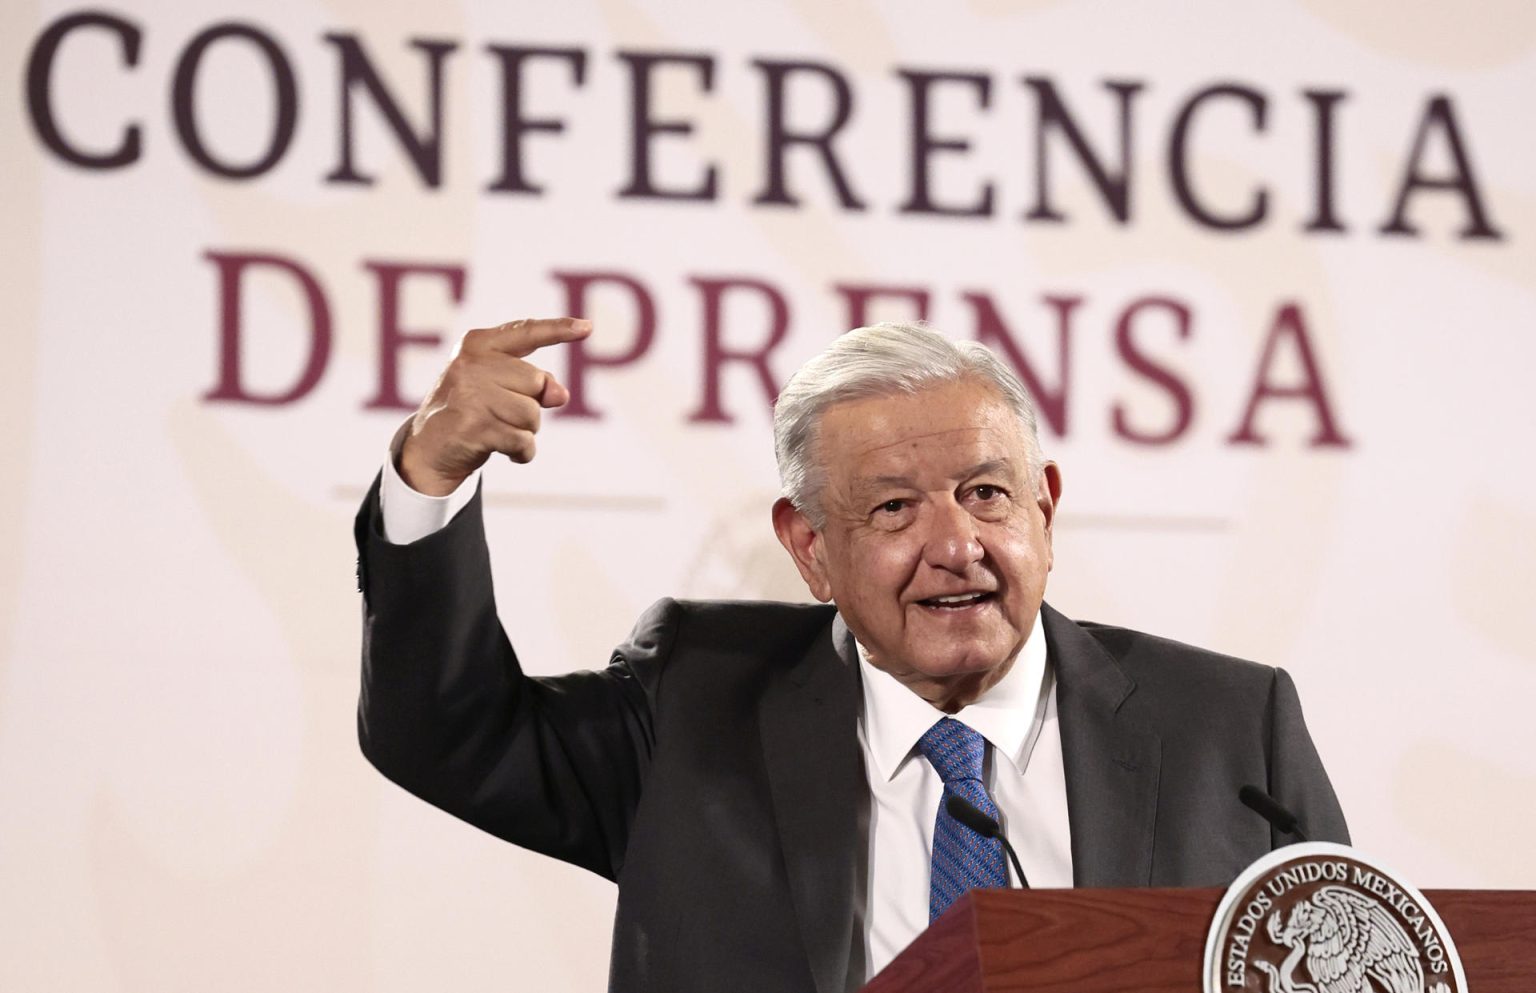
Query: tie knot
x=954, y=750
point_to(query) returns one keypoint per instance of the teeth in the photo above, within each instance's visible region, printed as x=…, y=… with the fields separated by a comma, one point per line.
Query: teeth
x=962, y=598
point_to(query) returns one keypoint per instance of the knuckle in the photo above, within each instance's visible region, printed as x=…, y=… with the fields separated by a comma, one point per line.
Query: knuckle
x=522, y=448
x=467, y=371
x=539, y=381
x=452, y=378
x=523, y=413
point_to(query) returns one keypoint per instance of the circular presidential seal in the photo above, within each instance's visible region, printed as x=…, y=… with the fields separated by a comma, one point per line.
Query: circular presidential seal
x=1321, y=918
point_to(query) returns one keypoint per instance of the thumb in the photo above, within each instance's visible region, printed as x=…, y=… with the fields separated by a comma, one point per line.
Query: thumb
x=553, y=394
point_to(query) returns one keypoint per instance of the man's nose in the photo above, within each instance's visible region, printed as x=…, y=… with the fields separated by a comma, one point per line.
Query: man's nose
x=953, y=542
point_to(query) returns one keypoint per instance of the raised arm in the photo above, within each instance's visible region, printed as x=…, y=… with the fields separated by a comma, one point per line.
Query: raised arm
x=554, y=764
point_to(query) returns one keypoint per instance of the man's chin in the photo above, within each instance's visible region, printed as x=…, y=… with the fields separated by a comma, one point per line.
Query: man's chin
x=951, y=684
x=962, y=667
x=946, y=663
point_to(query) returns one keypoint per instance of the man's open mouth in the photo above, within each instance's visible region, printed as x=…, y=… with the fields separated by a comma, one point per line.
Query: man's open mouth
x=958, y=601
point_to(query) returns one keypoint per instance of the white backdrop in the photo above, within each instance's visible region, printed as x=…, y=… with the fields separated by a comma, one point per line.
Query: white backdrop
x=182, y=803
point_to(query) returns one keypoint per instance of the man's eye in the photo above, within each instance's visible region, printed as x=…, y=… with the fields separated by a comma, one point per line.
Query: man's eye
x=987, y=492
x=892, y=506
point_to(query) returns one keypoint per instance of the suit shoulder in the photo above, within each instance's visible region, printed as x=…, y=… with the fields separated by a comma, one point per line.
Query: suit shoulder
x=757, y=621
x=1146, y=656
x=1209, y=708
x=765, y=609
x=759, y=627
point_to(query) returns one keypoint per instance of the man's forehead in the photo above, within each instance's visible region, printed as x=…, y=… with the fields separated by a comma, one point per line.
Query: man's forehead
x=874, y=435
x=939, y=433
x=891, y=442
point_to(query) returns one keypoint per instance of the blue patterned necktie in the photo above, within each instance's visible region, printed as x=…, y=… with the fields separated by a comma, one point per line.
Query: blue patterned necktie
x=962, y=859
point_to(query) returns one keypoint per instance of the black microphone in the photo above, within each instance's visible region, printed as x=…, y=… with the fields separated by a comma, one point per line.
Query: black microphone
x=1271, y=810
x=966, y=813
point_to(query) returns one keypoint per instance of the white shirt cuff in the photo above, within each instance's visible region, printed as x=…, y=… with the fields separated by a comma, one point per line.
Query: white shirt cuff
x=410, y=515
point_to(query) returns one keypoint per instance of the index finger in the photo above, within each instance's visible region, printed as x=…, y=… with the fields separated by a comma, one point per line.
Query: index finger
x=522, y=338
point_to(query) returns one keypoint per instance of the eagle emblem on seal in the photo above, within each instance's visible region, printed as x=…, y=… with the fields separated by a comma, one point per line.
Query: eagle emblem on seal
x=1350, y=943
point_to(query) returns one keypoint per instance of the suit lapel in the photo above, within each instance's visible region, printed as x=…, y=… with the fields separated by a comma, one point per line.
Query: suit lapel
x=1111, y=765
x=816, y=775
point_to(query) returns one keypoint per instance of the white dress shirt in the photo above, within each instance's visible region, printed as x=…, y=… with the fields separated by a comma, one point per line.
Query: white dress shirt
x=1023, y=765
x=410, y=515
x=1023, y=774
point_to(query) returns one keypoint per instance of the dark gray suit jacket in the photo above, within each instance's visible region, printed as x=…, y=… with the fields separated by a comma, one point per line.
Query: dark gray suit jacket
x=713, y=768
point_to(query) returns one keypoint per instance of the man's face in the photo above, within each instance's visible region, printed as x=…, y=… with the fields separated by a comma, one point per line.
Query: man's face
x=937, y=543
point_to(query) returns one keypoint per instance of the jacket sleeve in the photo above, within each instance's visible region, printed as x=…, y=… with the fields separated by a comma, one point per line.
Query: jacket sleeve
x=1296, y=775
x=552, y=764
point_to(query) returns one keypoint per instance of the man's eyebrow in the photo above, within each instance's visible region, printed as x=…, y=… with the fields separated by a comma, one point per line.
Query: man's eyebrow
x=1002, y=464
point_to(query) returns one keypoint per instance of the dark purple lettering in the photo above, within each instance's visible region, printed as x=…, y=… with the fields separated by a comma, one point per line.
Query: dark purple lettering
x=1178, y=159
x=990, y=330
x=1289, y=326
x=925, y=146
x=1114, y=187
x=857, y=297
x=285, y=97
x=716, y=353
x=577, y=286
x=392, y=337
x=1323, y=102
x=1440, y=115
x=231, y=387
x=1132, y=355
x=644, y=128
x=425, y=150
x=40, y=88
x=514, y=125
x=780, y=137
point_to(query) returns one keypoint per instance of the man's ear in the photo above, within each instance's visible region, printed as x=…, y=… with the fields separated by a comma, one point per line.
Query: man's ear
x=803, y=543
x=1048, y=498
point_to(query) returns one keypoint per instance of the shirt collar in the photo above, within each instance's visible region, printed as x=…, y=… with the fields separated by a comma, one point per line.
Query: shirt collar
x=895, y=718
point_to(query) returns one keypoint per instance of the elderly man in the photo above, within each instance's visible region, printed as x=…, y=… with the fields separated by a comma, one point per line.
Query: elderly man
x=766, y=782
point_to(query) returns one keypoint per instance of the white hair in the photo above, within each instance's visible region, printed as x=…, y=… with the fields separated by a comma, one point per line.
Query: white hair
x=879, y=360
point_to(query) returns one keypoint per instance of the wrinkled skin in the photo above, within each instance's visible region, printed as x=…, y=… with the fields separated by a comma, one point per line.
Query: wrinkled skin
x=490, y=399
x=928, y=496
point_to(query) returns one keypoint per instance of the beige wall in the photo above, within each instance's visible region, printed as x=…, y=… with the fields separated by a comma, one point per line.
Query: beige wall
x=182, y=804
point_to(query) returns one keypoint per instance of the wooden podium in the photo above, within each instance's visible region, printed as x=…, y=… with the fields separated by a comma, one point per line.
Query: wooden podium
x=1153, y=941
